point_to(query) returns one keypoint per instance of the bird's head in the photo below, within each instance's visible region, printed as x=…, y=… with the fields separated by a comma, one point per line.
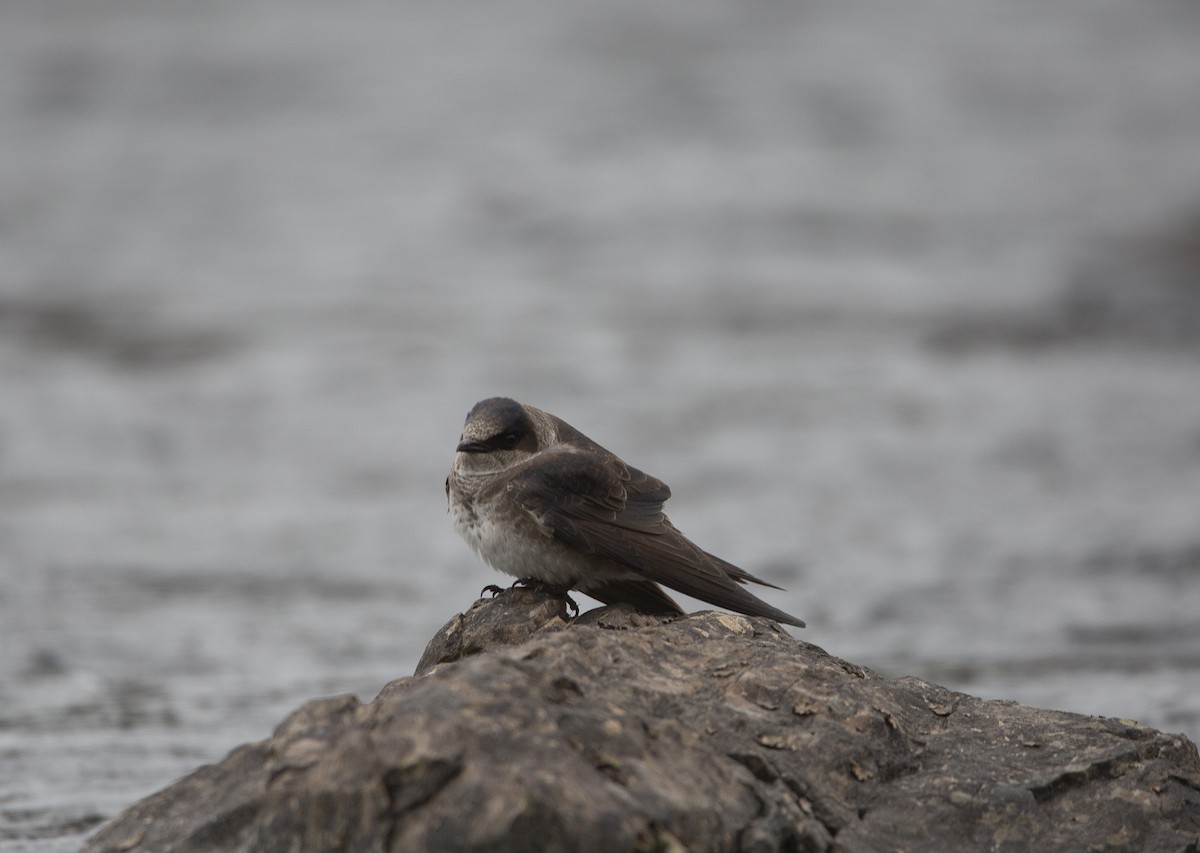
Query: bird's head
x=498, y=434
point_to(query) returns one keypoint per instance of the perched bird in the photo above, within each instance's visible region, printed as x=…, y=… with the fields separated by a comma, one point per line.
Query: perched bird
x=539, y=500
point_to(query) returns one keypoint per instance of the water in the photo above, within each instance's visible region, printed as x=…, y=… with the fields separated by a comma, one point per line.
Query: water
x=902, y=305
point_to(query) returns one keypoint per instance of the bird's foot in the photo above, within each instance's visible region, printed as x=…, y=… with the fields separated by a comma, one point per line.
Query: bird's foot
x=569, y=606
x=564, y=592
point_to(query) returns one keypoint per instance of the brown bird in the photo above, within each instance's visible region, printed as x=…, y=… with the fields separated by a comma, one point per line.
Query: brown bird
x=539, y=500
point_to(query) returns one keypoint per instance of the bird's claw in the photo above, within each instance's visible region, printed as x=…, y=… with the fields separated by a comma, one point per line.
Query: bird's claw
x=564, y=592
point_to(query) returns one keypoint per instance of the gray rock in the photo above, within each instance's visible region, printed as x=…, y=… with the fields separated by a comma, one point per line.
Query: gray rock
x=711, y=732
x=508, y=620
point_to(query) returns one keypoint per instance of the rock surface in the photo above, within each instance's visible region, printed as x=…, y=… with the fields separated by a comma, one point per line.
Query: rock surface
x=712, y=732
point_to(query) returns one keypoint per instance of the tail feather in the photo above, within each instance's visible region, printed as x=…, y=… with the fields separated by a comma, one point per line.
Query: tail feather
x=739, y=574
x=645, y=596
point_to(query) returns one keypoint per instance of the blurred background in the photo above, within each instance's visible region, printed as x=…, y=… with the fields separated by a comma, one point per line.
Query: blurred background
x=904, y=303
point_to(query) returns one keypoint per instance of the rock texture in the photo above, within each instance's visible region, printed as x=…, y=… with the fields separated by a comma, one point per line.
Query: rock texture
x=712, y=732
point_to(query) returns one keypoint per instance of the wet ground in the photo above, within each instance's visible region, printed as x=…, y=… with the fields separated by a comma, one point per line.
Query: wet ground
x=905, y=308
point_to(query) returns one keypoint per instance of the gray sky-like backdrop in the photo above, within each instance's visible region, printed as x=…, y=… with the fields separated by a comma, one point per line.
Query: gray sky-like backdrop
x=903, y=302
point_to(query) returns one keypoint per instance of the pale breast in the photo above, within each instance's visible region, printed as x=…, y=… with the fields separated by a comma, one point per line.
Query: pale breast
x=512, y=544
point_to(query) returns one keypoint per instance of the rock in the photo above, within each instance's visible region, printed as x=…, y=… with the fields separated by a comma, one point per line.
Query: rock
x=710, y=732
x=507, y=620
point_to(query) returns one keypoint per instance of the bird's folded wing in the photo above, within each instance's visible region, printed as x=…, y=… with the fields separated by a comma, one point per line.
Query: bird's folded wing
x=604, y=507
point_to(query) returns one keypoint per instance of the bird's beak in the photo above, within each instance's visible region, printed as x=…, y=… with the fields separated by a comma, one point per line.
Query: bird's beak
x=472, y=446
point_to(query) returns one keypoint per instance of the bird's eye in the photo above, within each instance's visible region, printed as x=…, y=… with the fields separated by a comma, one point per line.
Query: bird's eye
x=508, y=441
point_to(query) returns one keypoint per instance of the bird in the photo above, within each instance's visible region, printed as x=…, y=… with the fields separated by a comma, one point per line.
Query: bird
x=539, y=500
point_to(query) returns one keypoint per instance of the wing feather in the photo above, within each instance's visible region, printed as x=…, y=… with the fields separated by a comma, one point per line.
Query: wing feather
x=599, y=505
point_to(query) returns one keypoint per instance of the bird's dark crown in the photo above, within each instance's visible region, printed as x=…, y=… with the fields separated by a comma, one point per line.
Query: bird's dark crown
x=498, y=423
